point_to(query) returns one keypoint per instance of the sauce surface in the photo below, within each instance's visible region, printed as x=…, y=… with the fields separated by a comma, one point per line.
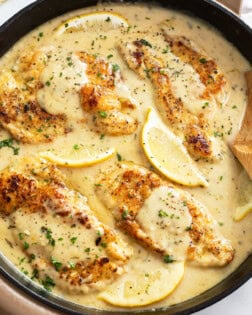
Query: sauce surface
x=228, y=187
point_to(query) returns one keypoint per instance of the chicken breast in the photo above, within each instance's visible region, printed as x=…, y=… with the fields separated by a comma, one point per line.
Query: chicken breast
x=66, y=243
x=193, y=129
x=210, y=74
x=109, y=111
x=20, y=112
x=162, y=217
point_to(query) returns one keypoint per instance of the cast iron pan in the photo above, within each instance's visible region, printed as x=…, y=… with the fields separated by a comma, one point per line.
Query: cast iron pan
x=236, y=32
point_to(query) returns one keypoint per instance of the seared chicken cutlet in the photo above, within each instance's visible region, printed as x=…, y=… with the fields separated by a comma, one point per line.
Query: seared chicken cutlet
x=48, y=217
x=109, y=110
x=20, y=112
x=210, y=74
x=192, y=128
x=162, y=217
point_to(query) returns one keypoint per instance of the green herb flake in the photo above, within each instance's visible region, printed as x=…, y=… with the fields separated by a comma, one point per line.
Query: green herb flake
x=76, y=147
x=73, y=240
x=206, y=104
x=9, y=144
x=168, y=259
x=115, y=67
x=103, y=114
x=162, y=214
x=125, y=214
x=32, y=257
x=48, y=283
x=145, y=43
x=57, y=265
x=188, y=228
x=21, y=236
x=35, y=274
x=26, y=245
x=119, y=157
x=71, y=264
x=234, y=106
x=108, y=19
x=203, y=60
x=110, y=56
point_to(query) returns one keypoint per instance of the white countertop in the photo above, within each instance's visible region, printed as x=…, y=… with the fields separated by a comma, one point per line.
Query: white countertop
x=239, y=302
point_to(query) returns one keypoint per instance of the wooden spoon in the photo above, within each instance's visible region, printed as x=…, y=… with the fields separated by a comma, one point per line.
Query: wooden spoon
x=242, y=145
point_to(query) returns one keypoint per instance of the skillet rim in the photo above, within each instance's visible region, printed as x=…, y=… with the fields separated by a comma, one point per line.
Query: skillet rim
x=229, y=284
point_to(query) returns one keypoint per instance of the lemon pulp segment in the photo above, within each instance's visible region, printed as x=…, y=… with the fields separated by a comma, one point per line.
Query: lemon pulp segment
x=147, y=285
x=166, y=152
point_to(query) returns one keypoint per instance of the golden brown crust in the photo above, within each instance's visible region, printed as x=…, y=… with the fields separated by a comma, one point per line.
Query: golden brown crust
x=20, y=112
x=209, y=72
x=38, y=186
x=142, y=60
x=99, y=99
x=128, y=186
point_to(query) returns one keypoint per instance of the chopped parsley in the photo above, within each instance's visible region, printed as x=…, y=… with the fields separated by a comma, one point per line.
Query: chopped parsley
x=71, y=264
x=73, y=240
x=125, y=214
x=145, y=42
x=103, y=114
x=57, y=265
x=9, y=143
x=203, y=60
x=168, y=259
x=48, y=235
x=21, y=236
x=115, y=67
x=48, y=283
x=162, y=214
x=119, y=157
x=26, y=245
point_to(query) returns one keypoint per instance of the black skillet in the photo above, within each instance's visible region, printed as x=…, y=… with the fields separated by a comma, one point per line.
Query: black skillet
x=236, y=32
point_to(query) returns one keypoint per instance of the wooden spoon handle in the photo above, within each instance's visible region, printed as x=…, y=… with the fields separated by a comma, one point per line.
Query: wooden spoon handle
x=242, y=145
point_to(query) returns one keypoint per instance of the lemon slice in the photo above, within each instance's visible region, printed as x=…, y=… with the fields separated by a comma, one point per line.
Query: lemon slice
x=166, y=152
x=92, y=21
x=241, y=212
x=78, y=156
x=148, y=283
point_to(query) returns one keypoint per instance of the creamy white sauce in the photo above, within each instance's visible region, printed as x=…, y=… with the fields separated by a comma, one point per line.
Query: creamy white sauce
x=226, y=178
x=62, y=77
x=165, y=218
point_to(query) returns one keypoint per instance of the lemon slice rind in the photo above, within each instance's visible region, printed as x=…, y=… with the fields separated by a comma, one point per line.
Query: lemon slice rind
x=144, y=286
x=80, y=160
x=167, y=153
x=108, y=20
